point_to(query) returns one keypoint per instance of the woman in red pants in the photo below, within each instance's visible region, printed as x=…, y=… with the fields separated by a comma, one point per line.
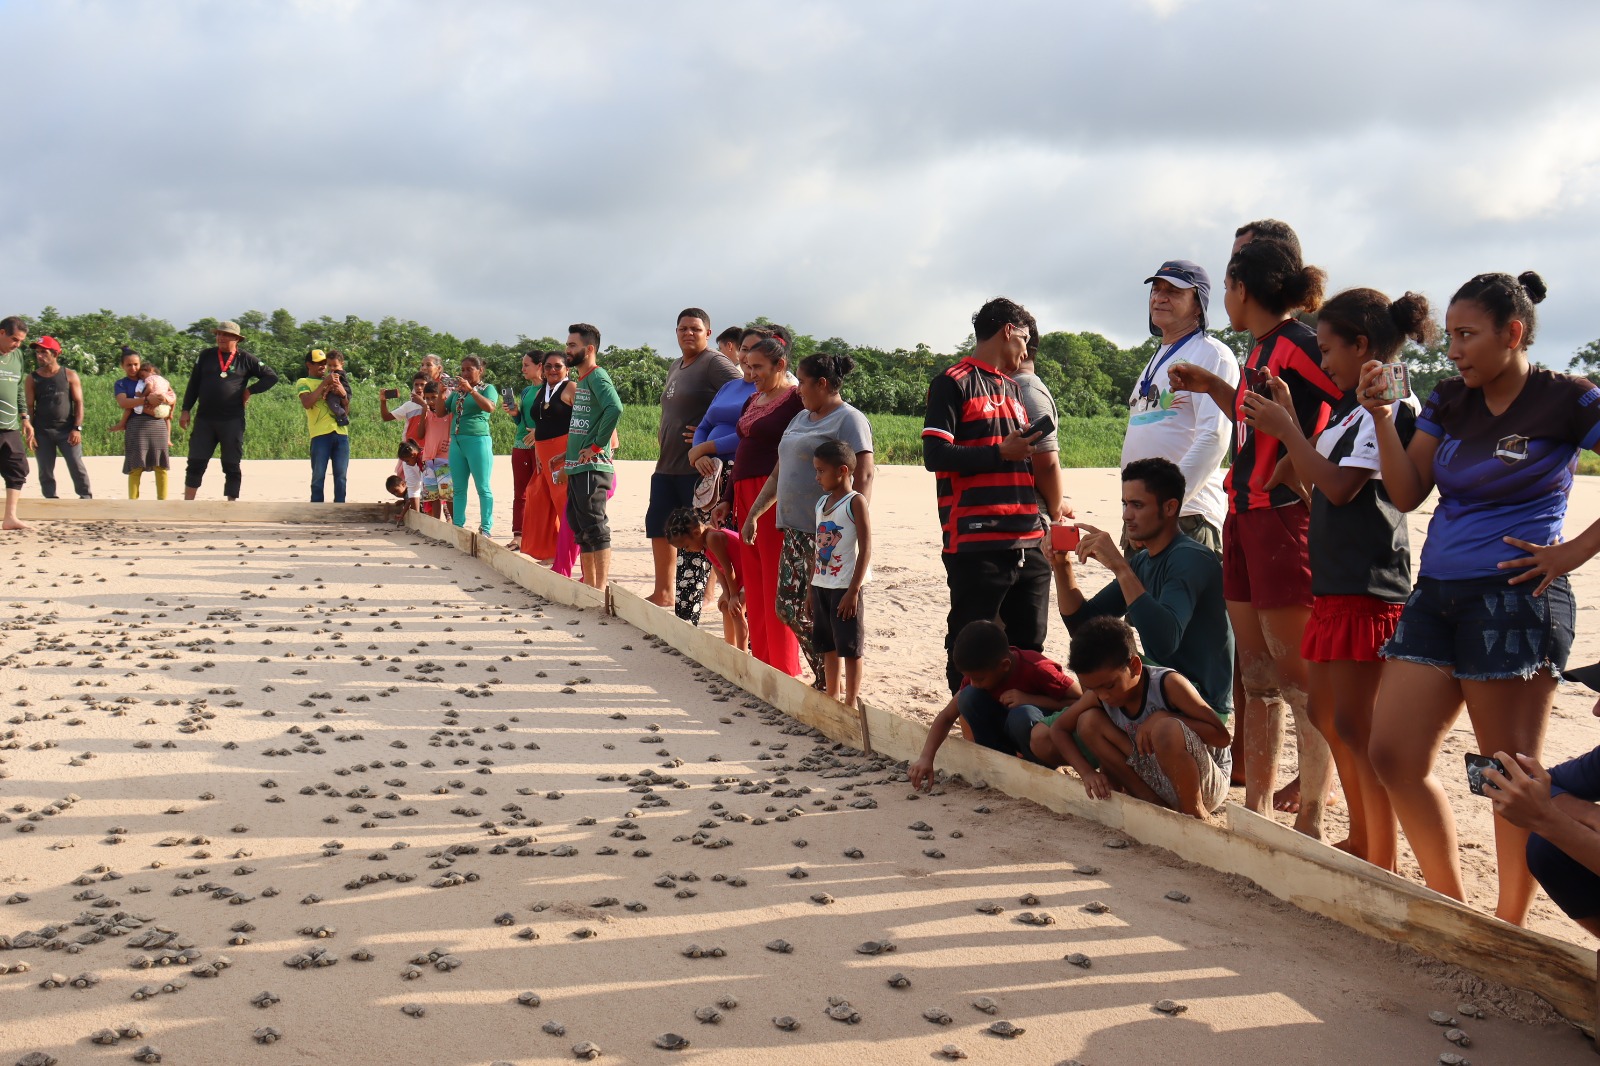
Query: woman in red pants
x=766, y=415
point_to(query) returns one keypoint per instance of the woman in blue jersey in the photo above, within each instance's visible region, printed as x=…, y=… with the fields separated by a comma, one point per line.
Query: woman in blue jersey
x=1491, y=620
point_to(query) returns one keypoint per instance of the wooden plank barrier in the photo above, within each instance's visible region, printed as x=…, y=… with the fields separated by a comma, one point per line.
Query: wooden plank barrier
x=214, y=512
x=1311, y=875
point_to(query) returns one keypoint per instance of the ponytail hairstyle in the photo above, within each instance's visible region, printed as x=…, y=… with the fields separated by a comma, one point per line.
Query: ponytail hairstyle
x=1506, y=299
x=684, y=521
x=830, y=368
x=1368, y=313
x=1272, y=273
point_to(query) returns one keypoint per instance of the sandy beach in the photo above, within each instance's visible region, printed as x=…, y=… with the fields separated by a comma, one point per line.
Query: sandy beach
x=302, y=729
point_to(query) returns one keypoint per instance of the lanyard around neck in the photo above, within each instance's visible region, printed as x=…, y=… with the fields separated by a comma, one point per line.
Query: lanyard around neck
x=1155, y=368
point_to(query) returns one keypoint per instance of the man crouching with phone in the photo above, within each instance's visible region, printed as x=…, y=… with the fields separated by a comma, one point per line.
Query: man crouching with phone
x=1561, y=808
x=1170, y=591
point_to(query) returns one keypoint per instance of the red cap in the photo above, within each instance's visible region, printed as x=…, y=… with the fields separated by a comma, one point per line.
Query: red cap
x=47, y=342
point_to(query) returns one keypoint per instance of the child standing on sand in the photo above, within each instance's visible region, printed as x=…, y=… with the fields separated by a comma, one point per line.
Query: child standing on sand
x=689, y=530
x=843, y=563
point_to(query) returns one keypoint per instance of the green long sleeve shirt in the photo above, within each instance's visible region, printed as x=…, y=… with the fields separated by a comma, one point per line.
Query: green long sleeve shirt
x=596, y=410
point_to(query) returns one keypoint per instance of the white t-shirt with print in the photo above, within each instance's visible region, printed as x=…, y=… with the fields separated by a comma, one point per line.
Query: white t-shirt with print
x=1185, y=427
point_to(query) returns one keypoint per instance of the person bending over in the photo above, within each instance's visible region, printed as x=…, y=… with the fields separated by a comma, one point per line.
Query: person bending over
x=690, y=530
x=1150, y=732
x=1004, y=693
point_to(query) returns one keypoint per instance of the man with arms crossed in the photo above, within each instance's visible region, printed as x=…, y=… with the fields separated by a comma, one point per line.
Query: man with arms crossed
x=55, y=403
x=692, y=383
x=224, y=379
x=596, y=410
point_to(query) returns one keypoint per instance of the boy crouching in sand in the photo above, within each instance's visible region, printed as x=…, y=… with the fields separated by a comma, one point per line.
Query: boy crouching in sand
x=843, y=563
x=1150, y=731
x=406, y=483
x=1005, y=692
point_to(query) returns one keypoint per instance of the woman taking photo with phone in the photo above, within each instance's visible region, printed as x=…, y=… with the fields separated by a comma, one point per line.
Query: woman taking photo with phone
x=1360, y=550
x=1491, y=621
x=1266, y=568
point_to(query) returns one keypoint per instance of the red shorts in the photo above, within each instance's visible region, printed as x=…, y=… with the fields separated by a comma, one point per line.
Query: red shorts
x=1265, y=562
x=1345, y=629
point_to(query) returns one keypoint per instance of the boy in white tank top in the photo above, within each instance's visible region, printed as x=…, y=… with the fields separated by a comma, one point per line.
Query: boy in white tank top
x=842, y=565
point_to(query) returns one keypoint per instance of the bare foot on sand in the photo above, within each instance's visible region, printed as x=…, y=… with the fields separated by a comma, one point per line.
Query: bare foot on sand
x=15, y=523
x=665, y=601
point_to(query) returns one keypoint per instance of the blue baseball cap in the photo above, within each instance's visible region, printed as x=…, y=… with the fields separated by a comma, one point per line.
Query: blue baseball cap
x=1185, y=275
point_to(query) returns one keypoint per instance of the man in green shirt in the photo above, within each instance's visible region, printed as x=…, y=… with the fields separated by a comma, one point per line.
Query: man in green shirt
x=596, y=410
x=1170, y=592
x=16, y=429
x=330, y=442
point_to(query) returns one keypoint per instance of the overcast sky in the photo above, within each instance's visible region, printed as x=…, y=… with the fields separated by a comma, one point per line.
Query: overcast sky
x=870, y=170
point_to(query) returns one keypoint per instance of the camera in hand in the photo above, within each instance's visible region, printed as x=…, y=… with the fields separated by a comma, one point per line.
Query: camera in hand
x=1476, y=765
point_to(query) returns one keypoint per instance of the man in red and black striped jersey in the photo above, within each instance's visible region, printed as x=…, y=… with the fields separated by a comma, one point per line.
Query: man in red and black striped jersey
x=988, y=511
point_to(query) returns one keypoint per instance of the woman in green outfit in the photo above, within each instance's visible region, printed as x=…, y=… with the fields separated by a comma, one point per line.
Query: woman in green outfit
x=471, y=449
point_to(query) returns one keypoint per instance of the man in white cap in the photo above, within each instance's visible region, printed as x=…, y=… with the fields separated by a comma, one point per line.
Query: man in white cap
x=224, y=379
x=1184, y=427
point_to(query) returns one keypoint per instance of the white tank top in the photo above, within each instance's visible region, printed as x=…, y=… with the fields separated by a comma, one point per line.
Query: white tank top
x=836, y=545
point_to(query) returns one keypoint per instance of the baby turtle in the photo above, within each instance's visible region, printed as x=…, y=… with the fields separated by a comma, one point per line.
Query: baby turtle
x=147, y=1053
x=952, y=1052
x=854, y=853
x=1170, y=1006
x=990, y=908
x=1094, y=906
x=104, y=1036
x=1439, y=1017
x=786, y=1023
x=671, y=1042
x=707, y=1015
x=1007, y=1030
x=937, y=1016
x=822, y=899
x=727, y=1003
x=1041, y=918
x=987, y=1005
x=361, y=955
x=1470, y=1010
x=899, y=980
x=1116, y=842
x=843, y=1012
x=37, y=1058
x=933, y=853
x=413, y=1010
x=1458, y=1037
x=264, y=1000
x=1079, y=959
x=586, y=1050
x=267, y=1035
x=554, y=1028
x=874, y=947
x=1029, y=900
x=1177, y=897
x=1087, y=870
x=529, y=999
x=782, y=947
x=1450, y=1058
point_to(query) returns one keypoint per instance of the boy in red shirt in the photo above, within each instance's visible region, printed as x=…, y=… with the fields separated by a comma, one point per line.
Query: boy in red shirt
x=1004, y=693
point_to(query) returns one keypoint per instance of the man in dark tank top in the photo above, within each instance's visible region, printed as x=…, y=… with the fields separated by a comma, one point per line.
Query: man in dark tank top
x=55, y=401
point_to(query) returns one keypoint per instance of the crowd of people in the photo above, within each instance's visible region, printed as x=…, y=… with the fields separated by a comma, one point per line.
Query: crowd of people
x=1261, y=574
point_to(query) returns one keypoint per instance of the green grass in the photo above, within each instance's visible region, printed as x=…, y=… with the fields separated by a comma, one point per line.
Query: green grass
x=277, y=430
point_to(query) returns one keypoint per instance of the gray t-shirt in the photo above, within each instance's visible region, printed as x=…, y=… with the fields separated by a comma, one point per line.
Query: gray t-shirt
x=797, y=477
x=1038, y=401
x=688, y=392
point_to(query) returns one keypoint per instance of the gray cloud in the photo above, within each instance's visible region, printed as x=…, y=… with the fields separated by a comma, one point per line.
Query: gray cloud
x=871, y=171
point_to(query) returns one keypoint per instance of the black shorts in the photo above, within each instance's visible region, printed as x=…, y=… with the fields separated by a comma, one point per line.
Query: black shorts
x=829, y=632
x=13, y=458
x=586, y=509
x=668, y=492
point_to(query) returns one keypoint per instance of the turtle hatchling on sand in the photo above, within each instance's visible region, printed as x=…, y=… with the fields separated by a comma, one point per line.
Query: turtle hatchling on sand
x=554, y=1028
x=1450, y=1058
x=1168, y=1006
x=987, y=1005
x=671, y=1042
x=586, y=1050
x=1007, y=1030
x=990, y=908
x=1470, y=1010
x=1029, y=900
x=147, y=1053
x=786, y=1023
x=952, y=1052
x=707, y=1015
x=1094, y=906
x=937, y=1016
x=37, y=1058
x=413, y=1010
x=1458, y=1037
x=782, y=947
x=1078, y=958
x=264, y=999
x=899, y=980
x=843, y=1012
x=874, y=947
x=267, y=1035
x=529, y=999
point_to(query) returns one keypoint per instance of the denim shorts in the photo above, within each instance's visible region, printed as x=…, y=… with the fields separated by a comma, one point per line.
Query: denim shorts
x=1486, y=629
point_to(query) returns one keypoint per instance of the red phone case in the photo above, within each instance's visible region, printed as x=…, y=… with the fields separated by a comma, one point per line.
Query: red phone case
x=1064, y=538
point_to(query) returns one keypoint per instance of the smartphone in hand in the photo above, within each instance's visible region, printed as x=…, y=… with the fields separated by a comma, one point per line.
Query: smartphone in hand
x=1395, y=383
x=1064, y=538
x=391, y=394
x=1044, y=425
x=1257, y=377
x=1476, y=765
